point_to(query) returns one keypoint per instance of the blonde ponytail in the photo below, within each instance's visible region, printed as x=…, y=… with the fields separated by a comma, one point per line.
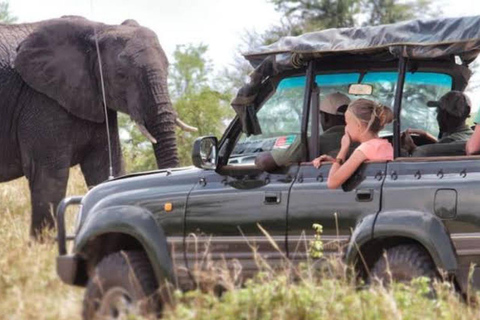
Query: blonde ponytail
x=374, y=115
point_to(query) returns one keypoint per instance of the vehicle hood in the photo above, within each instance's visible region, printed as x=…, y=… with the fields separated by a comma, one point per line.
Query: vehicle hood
x=134, y=188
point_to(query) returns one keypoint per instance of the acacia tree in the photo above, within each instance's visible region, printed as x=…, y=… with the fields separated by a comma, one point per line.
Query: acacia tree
x=5, y=15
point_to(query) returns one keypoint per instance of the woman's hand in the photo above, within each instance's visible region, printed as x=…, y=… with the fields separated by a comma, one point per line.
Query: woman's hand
x=346, y=141
x=317, y=162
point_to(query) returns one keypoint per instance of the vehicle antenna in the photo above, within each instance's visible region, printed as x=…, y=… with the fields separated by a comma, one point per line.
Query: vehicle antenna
x=107, y=125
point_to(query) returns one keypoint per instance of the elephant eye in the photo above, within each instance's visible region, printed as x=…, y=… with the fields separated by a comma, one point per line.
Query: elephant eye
x=121, y=75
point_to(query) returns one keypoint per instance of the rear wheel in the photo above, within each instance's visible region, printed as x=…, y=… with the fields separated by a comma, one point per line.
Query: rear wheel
x=403, y=263
x=123, y=284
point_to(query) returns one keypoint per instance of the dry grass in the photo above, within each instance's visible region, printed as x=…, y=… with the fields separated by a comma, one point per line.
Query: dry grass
x=29, y=285
x=30, y=288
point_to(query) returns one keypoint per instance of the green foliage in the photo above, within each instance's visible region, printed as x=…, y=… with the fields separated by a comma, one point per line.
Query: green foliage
x=319, y=14
x=5, y=15
x=316, y=245
x=390, y=11
x=277, y=297
x=196, y=101
x=207, y=110
x=189, y=70
x=137, y=151
x=311, y=15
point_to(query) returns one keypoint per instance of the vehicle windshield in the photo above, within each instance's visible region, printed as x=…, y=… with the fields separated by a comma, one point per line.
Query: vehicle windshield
x=280, y=116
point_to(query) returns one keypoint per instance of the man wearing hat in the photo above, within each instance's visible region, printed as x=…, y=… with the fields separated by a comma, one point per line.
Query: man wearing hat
x=453, y=109
x=332, y=117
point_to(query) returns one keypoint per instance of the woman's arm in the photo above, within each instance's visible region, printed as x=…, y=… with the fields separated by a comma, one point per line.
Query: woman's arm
x=317, y=162
x=473, y=144
x=340, y=173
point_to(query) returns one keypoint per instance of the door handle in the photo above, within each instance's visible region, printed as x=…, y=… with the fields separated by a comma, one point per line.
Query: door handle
x=272, y=198
x=364, y=195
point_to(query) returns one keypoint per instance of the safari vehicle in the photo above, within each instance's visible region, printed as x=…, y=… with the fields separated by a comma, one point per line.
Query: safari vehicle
x=422, y=211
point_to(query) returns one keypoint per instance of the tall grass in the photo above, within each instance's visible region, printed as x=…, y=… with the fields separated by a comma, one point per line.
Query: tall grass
x=279, y=298
x=319, y=291
x=30, y=288
x=29, y=285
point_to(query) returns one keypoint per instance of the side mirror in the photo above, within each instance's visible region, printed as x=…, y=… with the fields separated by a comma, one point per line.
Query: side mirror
x=204, y=153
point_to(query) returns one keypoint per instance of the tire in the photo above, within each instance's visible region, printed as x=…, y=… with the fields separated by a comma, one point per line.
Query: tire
x=402, y=264
x=123, y=283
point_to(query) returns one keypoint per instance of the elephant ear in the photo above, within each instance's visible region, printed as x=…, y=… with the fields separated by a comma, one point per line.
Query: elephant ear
x=58, y=59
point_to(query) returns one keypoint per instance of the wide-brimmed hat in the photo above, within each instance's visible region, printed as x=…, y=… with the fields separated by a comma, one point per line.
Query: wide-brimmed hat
x=333, y=102
x=455, y=103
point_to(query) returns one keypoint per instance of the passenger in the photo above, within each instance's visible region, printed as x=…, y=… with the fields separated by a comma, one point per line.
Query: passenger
x=453, y=109
x=332, y=110
x=364, y=119
x=473, y=145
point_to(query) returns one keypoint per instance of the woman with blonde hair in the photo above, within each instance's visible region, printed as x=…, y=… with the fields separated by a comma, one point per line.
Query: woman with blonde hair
x=364, y=120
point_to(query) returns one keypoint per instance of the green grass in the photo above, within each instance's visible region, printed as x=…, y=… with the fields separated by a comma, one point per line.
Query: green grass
x=279, y=298
x=30, y=288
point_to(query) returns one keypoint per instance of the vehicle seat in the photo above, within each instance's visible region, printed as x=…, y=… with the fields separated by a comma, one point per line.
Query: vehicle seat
x=456, y=148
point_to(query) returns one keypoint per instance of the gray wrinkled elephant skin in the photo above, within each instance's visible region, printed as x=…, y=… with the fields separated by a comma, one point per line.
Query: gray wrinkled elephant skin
x=51, y=106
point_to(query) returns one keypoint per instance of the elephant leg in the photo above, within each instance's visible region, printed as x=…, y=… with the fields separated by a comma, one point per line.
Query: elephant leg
x=95, y=166
x=45, y=146
x=95, y=163
x=47, y=189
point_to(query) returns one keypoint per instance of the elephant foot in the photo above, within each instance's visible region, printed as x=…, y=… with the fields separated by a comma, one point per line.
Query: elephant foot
x=43, y=231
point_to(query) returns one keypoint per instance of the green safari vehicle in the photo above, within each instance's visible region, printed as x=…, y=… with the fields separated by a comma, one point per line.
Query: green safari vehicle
x=422, y=211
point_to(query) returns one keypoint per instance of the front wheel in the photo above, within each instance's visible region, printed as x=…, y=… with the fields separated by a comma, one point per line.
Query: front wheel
x=403, y=263
x=123, y=284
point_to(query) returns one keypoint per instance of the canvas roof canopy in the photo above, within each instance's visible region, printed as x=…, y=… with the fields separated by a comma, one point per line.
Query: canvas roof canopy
x=416, y=39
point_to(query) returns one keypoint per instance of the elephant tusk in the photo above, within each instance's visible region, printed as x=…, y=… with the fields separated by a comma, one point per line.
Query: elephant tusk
x=185, y=126
x=145, y=132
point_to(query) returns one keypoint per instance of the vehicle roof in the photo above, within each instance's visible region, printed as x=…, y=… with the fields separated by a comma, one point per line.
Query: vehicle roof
x=434, y=41
x=416, y=39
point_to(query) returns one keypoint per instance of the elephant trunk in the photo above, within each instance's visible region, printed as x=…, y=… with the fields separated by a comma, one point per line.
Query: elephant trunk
x=162, y=129
x=160, y=121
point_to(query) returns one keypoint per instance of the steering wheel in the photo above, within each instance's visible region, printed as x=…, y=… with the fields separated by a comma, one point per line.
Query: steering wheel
x=421, y=137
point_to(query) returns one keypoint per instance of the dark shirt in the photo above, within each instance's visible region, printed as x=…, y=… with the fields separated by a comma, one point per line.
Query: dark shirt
x=328, y=142
x=451, y=144
x=462, y=133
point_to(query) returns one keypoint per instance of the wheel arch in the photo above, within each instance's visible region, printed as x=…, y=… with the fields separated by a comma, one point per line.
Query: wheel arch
x=123, y=228
x=392, y=228
x=372, y=251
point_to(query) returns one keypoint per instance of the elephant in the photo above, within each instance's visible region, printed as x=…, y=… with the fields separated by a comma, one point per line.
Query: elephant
x=52, y=111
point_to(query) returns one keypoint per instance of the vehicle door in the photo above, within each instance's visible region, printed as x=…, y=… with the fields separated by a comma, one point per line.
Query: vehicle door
x=339, y=210
x=228, y=207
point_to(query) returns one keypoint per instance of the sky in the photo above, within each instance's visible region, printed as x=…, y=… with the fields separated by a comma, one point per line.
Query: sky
x=219, y=24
